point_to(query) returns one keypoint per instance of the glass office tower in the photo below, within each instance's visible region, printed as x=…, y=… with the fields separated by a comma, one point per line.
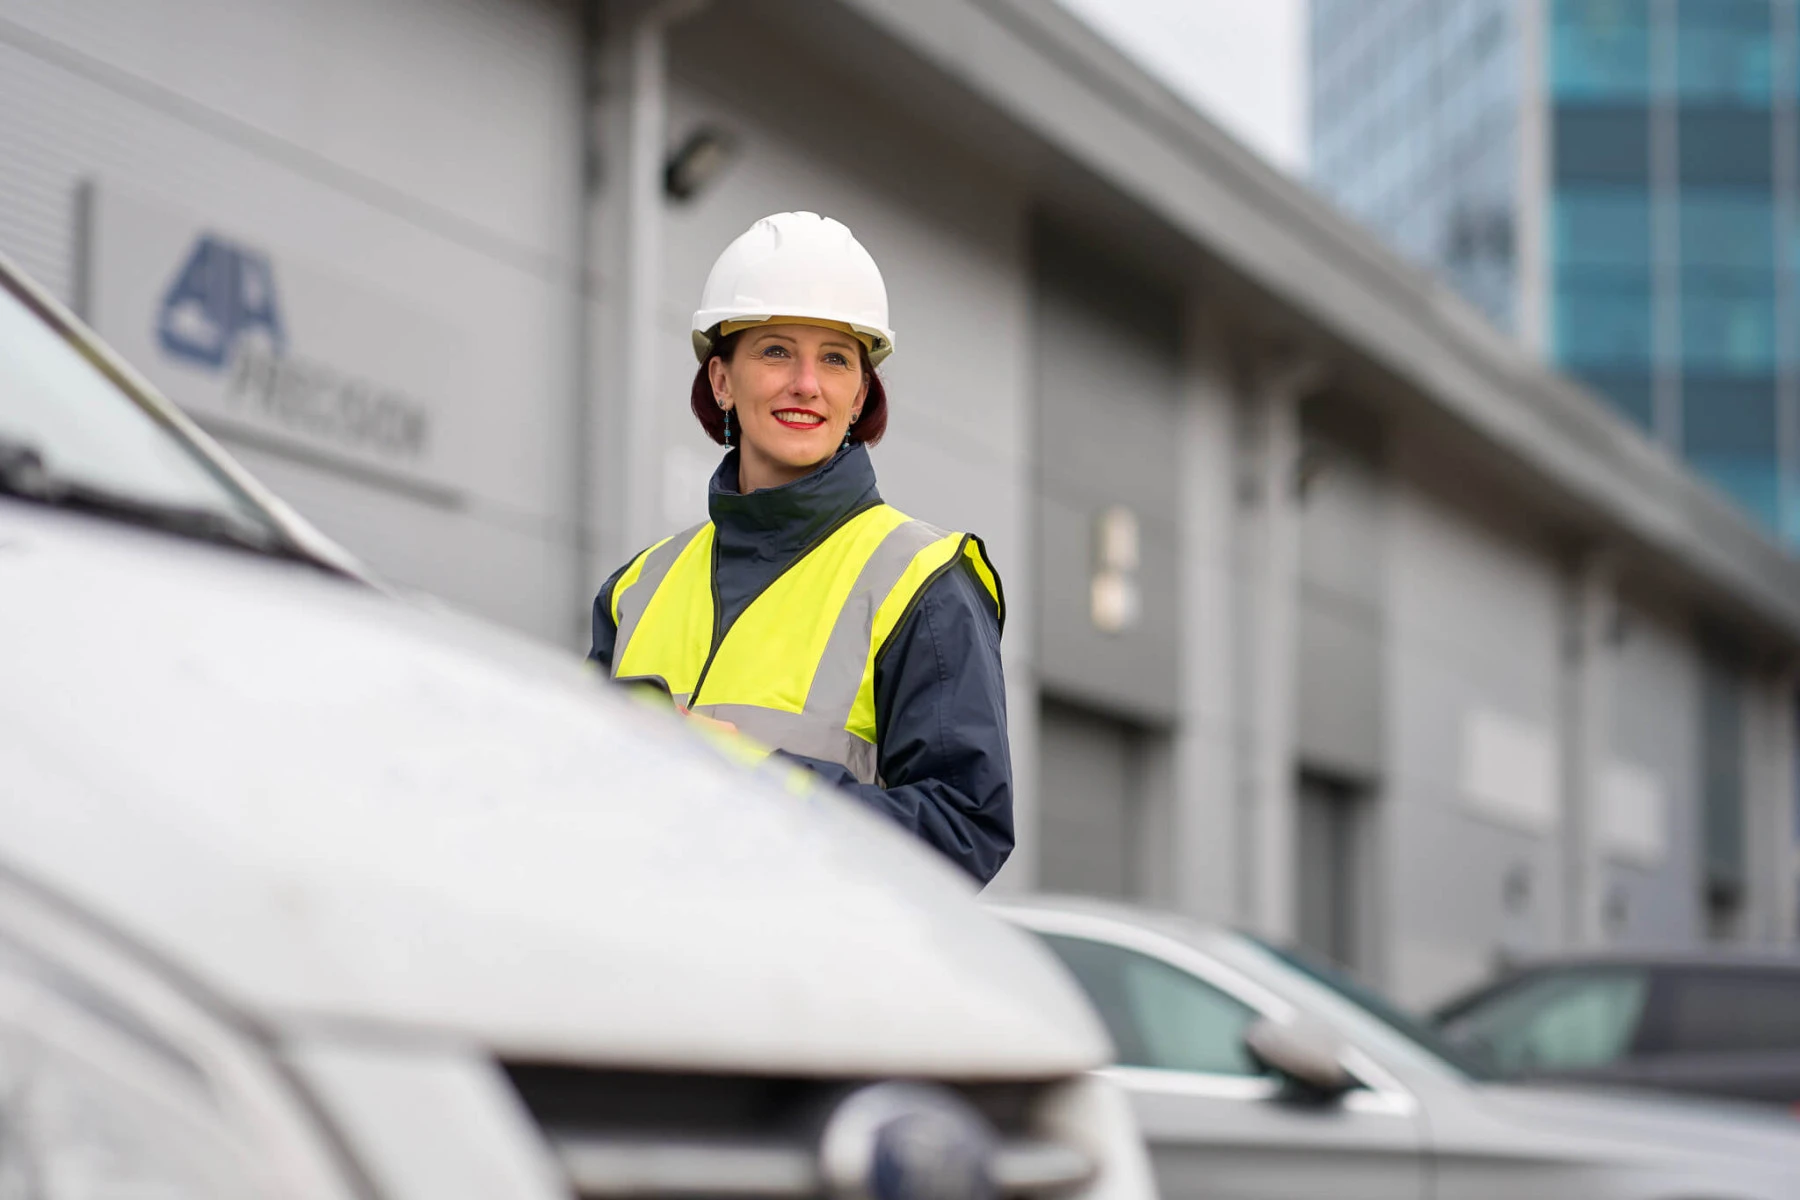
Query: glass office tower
x=1612, y=180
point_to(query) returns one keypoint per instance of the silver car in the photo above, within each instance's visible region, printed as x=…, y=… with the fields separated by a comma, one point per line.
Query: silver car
x=1257, y=1074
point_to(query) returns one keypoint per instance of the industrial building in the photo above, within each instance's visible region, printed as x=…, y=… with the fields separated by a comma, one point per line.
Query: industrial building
x=1331, y=611
x=1614, y=182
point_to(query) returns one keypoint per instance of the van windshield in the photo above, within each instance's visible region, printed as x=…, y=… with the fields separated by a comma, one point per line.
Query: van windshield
x=75, y=434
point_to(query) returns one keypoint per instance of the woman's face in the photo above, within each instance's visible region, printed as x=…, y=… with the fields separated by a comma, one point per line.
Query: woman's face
x=792, y=390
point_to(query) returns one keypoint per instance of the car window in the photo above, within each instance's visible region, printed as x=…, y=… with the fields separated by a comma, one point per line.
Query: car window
x=1556, y=1021
x=1160, y=1016
x=1732, y=1011
x=1373, y=1005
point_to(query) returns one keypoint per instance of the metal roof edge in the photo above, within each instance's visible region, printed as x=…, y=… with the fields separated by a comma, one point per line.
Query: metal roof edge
x=1048, y=72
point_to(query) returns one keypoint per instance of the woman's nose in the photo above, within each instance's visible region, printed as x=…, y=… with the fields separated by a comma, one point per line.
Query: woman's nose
x=806, y=379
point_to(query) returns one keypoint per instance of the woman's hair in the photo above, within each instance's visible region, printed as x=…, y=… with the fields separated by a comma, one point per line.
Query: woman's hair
x=867, y=429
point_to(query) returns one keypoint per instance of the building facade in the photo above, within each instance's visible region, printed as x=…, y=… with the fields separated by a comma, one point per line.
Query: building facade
x=1623, y=189
x=1329, y=612
x=1415, y=130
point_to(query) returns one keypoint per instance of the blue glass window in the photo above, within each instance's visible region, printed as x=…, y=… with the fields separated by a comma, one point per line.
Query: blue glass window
x=1727, y=281
x=1728, y=227
x=1600, y=225
x=1727, y=321
x=1729, y=436
x=1600, y=49
x=1603, y=318
x=1602, y=144
x=1726, y=145
x=1724, y=51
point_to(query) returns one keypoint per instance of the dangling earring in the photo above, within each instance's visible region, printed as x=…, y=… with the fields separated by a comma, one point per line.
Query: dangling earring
x=728, y=427
x=854, y=418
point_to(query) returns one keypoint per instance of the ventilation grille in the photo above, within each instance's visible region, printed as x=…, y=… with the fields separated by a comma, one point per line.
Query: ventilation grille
x=628, y=1135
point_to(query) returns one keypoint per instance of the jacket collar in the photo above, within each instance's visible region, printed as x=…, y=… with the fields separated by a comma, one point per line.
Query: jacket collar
x=780, y=522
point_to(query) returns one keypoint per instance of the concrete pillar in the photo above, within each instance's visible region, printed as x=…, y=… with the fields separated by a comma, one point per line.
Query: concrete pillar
x=586, y=447
x=1269, y=619
x=1665, y=223
x=1020, y=874
x=1587, y=751
x=1769, y=817
x=1203, y=828
x=1532, y=206
x=634, y=121
x=1018, y=650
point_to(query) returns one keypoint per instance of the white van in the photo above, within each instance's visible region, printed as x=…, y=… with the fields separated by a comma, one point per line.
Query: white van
x=307, y=891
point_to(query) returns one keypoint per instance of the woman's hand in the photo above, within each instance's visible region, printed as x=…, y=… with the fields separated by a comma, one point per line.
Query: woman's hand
x=712, y=723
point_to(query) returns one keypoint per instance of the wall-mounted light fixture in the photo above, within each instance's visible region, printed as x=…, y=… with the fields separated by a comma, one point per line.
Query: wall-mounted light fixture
x=1616, y=911
x=1515, y=889
x=1313, y=461
x=697, y=162
x=1115, y=602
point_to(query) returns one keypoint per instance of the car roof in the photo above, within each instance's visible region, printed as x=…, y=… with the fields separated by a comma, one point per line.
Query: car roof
x=1161, y=920
x=1708, y=958
x=1203, y=934
x=1037, y=910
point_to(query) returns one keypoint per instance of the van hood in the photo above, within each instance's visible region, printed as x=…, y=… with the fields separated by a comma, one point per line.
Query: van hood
x=337, y=811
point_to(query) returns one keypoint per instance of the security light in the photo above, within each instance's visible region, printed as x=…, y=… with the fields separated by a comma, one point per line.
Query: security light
x=697, y=162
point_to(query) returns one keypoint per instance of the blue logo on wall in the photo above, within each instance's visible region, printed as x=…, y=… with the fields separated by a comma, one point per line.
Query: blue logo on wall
x=224, y=291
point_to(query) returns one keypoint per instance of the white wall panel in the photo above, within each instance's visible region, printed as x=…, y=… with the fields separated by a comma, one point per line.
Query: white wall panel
x=1473, y=627
x=1341, y=698
x=516, y=572
x=427, y=151
x=462, y=107
x=1469, y=592
x=1656, y=727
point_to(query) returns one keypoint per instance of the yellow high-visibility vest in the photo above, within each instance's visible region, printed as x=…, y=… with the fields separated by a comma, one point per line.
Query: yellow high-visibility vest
x=795, y=671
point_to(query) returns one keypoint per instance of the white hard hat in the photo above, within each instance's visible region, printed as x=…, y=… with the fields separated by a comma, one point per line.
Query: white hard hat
x=802, y=265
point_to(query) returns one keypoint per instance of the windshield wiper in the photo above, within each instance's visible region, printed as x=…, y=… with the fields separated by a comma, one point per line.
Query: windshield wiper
x=24, y=476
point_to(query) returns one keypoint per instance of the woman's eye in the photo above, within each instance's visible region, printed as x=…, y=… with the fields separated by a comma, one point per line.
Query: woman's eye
x=775, y=352
x=837, y=360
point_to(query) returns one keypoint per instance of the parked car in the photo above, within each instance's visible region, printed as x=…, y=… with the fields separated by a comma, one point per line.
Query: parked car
x=1257, y=1073
x=1715, y=1022
x=306, y=891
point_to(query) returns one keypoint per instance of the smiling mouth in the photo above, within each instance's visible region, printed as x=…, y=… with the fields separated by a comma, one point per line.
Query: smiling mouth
x=798, y=418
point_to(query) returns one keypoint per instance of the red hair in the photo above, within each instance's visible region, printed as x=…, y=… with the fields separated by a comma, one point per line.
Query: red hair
x=867, y=428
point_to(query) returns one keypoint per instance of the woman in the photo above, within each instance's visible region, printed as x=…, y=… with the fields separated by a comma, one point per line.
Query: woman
x=806, y=612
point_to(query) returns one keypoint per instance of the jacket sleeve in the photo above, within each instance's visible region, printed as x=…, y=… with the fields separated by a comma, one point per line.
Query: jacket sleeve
x=606, y=634
x=940, y=709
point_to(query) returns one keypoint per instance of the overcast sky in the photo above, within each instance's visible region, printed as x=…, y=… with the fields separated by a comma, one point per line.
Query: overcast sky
x=1242, y=62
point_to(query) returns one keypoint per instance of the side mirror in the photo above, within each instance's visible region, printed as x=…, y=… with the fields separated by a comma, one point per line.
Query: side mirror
x=1307, y=1055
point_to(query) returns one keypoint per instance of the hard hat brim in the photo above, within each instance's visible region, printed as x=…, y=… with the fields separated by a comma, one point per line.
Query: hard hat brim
x=707, y=322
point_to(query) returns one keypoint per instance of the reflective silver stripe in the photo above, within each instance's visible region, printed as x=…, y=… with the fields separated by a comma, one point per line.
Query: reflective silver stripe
x=840, y=671
x=800, y=733
x=820, y=732
x=637, y=597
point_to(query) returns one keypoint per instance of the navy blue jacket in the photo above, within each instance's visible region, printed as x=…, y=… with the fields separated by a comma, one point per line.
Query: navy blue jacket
x=940, y=698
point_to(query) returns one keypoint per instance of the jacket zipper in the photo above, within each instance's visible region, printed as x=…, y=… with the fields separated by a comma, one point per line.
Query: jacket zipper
x=719, y=627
